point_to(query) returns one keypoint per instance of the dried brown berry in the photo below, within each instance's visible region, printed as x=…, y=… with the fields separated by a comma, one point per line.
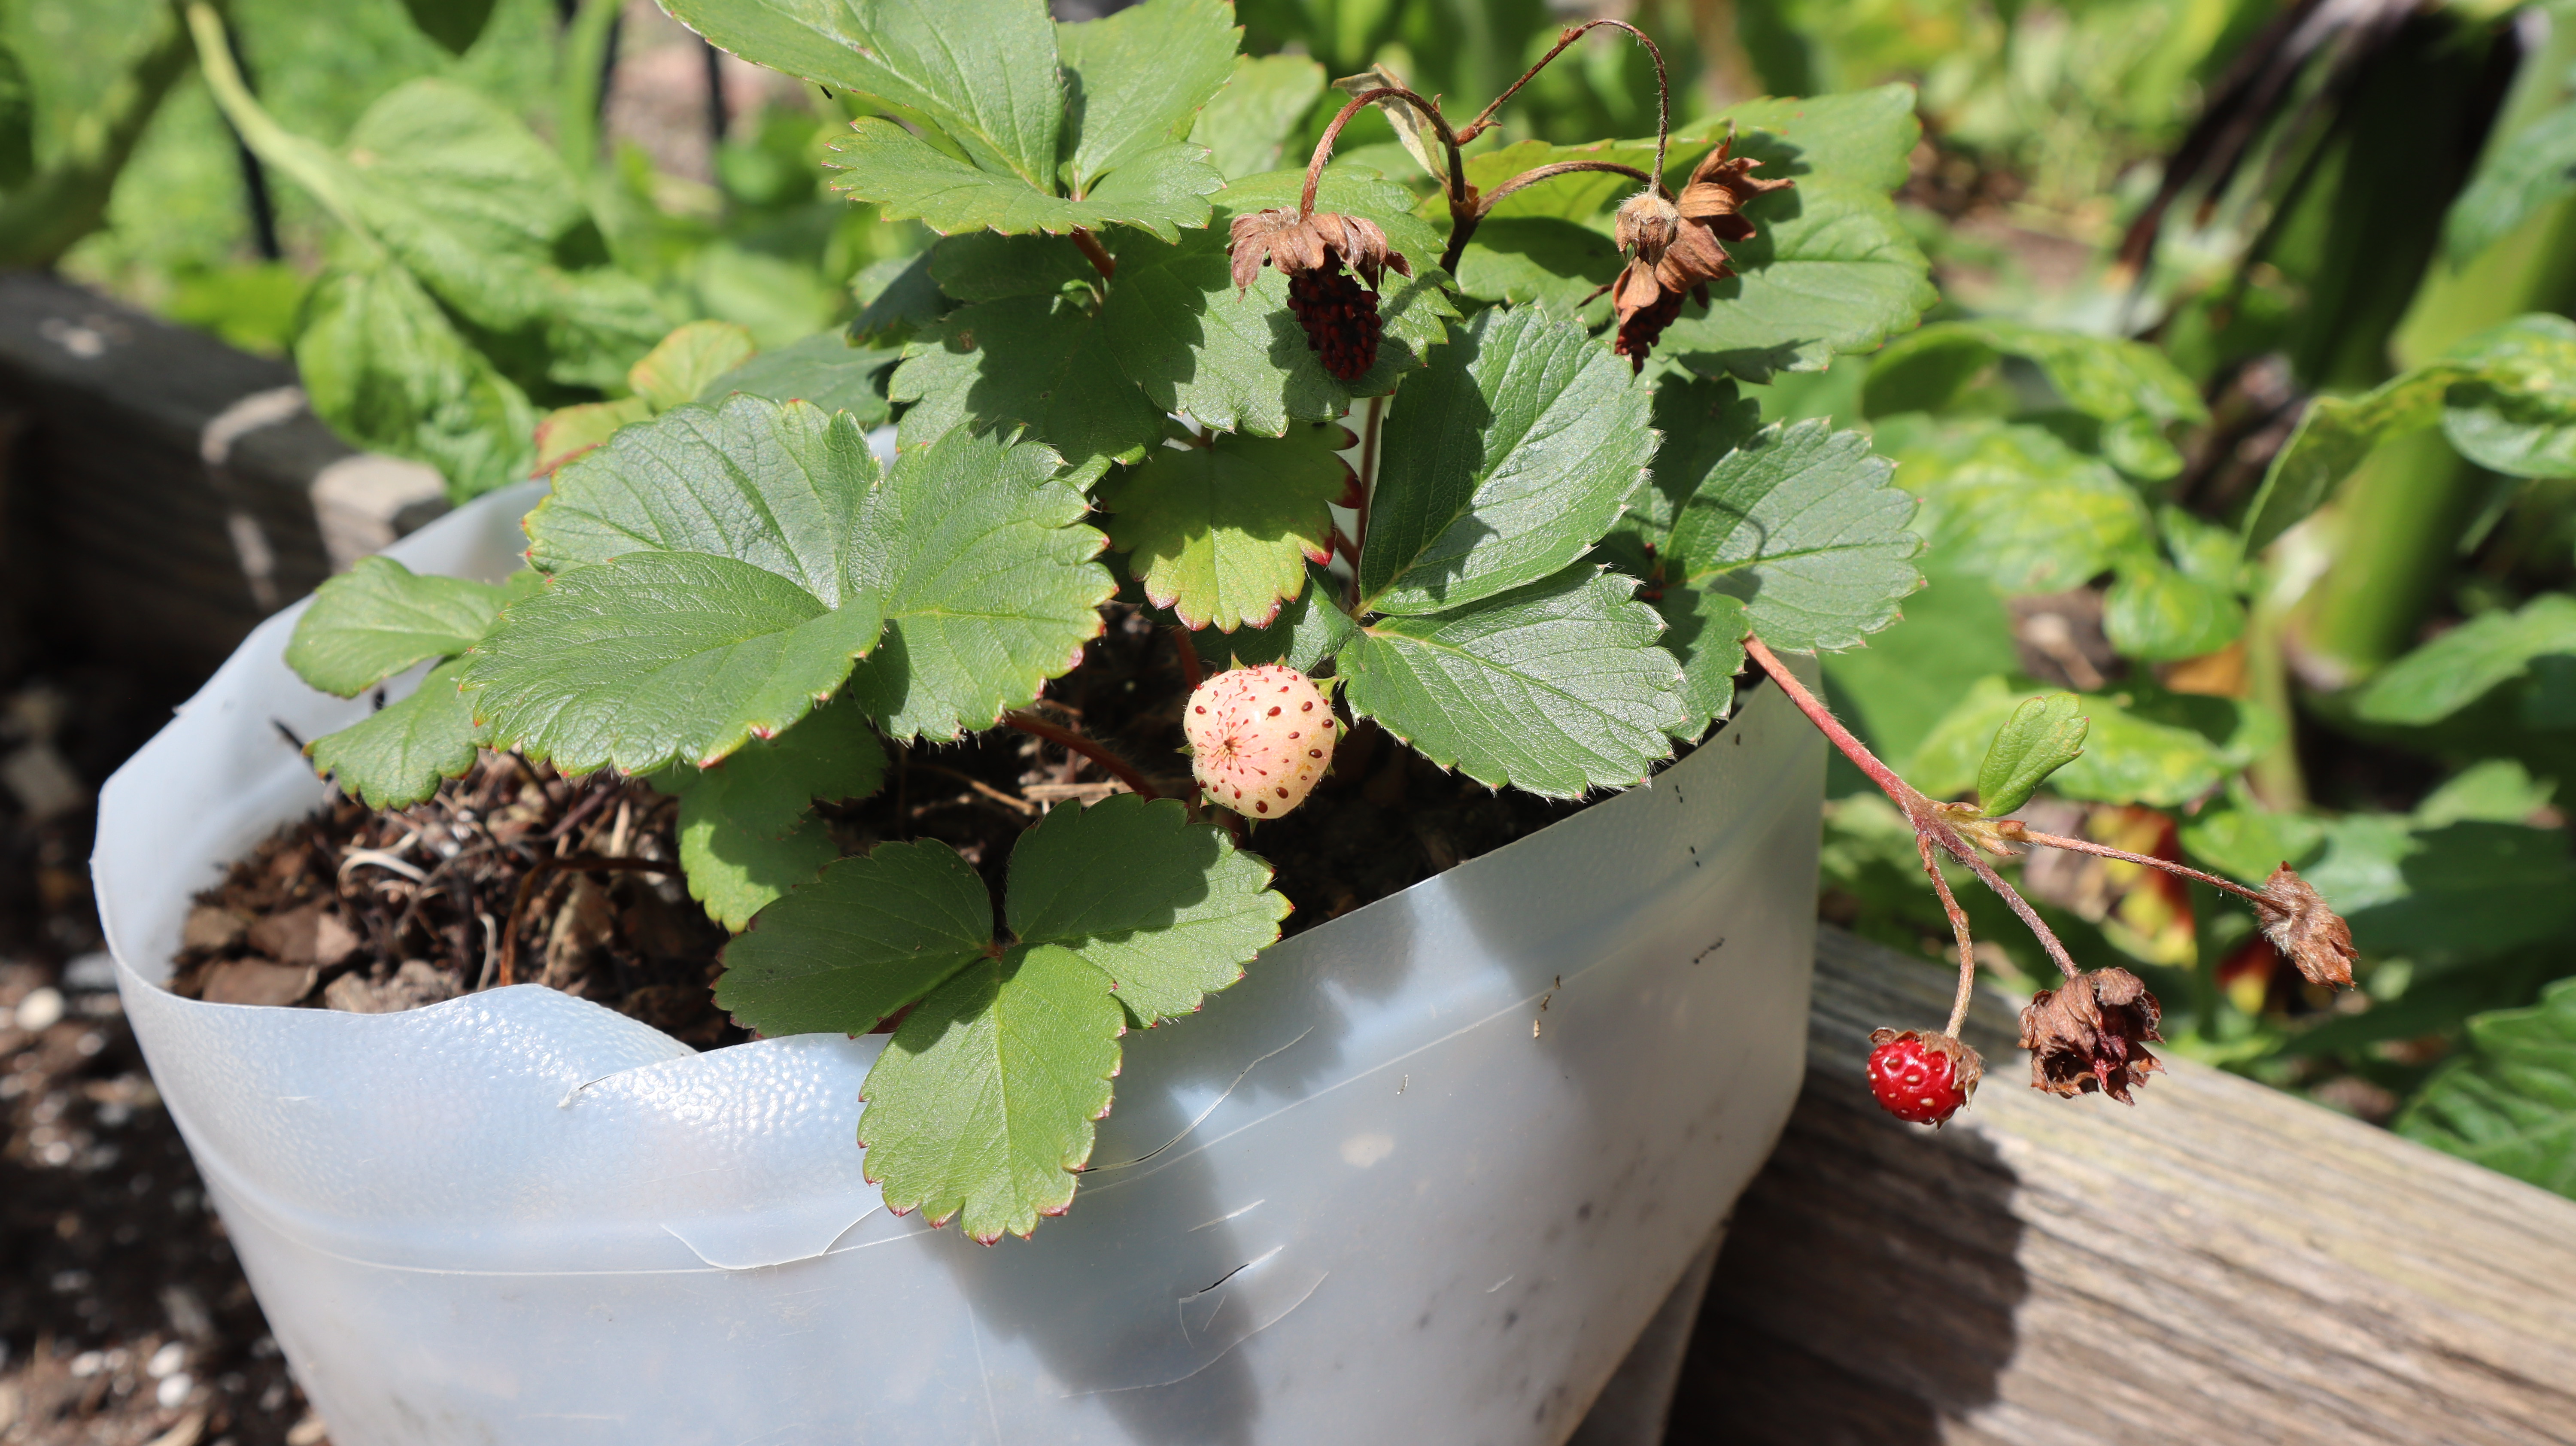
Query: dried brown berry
x=1340, y=317
x=1667, y=263
x=2092, y=1034
x=2297, y=921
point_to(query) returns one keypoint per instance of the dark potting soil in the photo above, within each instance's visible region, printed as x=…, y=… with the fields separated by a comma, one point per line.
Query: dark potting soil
x=499, y=879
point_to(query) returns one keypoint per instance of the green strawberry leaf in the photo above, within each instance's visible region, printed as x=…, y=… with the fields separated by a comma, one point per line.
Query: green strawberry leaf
x=985, y=266
x=379, y=618
x=2016, y=505
x=981, y=74
x=2510, y=1103
x=871, y=935
x=2156, y=613
x=2513, y=183
x=988, y=582
x=399, y=754
x=747, y=830
x=1138, y=79
x=2512, y=382
x=1248, y=125
x=681, y=367
x=2465, y=664
x=659, y=657
x=1556, y=688
x=1240, y=363
x=1221, y=534
x=1506, y=460
x=1038, y=362
x=2127, y=386
x=1308, y=630
x=824, y=369
x=2042, y=736
x=1832, y=269
x=1168, y=909
x=779, y=486
x=983, y=1104
x=905, y=177
x=2247, y=843
x=384, y=366
x=1578, y=196
x=2161, y=750
x=1537, y=260
x=1802, y=524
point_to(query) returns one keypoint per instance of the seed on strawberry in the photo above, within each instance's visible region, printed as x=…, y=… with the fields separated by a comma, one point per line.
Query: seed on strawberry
x=1921, y=1078
x=1260, y=738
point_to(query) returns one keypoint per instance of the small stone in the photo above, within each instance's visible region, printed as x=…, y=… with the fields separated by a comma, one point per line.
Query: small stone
x=307, y=936
x=44, y=783
x=167, y=1361
x=211, y=929
x=417, y=983
x=173, y=1391
x=91, y=973
x=257, y=982
x=41, y=1010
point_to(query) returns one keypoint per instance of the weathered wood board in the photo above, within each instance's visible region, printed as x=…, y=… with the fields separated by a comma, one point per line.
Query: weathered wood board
x=2220, y=1264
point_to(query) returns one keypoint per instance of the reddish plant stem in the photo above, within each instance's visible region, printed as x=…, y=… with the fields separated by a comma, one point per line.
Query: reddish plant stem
x=1359, y=102
x=1093, y=251
x=508, y=971
x=1191, y=673
x=1931, y=826
x=1663, y=88
x=2087, y=846
x=1529, y=178
x=1117, y=767
x=1959, y=931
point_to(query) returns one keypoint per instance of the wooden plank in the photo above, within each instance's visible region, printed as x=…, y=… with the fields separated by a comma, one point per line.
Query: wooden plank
x=2221, y=1263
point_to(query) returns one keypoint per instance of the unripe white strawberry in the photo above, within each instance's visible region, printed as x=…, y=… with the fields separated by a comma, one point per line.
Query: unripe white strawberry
x=1260, y=738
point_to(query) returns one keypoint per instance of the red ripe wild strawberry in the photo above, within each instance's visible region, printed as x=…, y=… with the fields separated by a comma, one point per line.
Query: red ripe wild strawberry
x=1921, y=1078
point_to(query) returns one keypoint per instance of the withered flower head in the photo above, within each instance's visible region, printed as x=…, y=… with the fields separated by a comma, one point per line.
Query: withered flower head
x=1341, y=319
x=2297, y=921
x=1647, y=224
x=1648, y=294
x=2091, y=1034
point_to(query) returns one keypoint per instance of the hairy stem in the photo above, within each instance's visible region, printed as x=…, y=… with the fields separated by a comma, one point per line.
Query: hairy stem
x=1368, y=490
x=1097, y=254
x=1357, y=103
x=1118, y=768
x=1959, y=931
x=2047, y=936
x=1905, y=795
x=1527, y=179
x=2087, y=846
x=1191, y=673
x=1663, y=88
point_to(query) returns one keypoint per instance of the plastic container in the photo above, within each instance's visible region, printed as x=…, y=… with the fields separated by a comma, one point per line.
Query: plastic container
x=1423, y=1176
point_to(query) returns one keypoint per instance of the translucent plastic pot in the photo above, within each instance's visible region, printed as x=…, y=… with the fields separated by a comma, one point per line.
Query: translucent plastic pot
x=1420, y=1178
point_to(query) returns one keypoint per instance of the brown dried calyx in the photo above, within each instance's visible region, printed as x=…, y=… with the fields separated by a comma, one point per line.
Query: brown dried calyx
x=2295, y=918
x=1340, y=317
x=2092, y=1034
x=1667, y=263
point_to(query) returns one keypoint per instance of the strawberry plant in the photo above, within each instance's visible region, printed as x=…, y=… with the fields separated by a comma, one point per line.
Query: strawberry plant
x=1475, y=465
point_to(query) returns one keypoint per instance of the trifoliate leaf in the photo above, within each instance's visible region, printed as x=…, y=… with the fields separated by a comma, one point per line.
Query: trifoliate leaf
x=779, y=486
x=1168, y=909
x=2162, y=750
x=747, y=830
x=2510, y=1103
x=2515, y=180
x=2042, y=736
x=1038, y=362
x=680, y=367
x=1137, y=80
x=1505, y=461
x=2127, y=386
x=871, y=935
x=2463, y=665
x=1309, y=629
x=1249, y=122
x=987, y=579
x=1801, y=524
x=1832, y=269
x=2019, y=506
x=824, y=369
x=1556, y=688
x=982, y=1106
x=379, y=618
x=659, y=657
x=1221, y=534
x=1240, y=363
x=1537, y=260
x=2511, y=378
x=399, y=754
x=2156, y=614
x=905, y=177
x=387, y=369
x=983, y=74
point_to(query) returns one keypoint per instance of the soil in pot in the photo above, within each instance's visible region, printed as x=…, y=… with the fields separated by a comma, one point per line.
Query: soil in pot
x=499, y=877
